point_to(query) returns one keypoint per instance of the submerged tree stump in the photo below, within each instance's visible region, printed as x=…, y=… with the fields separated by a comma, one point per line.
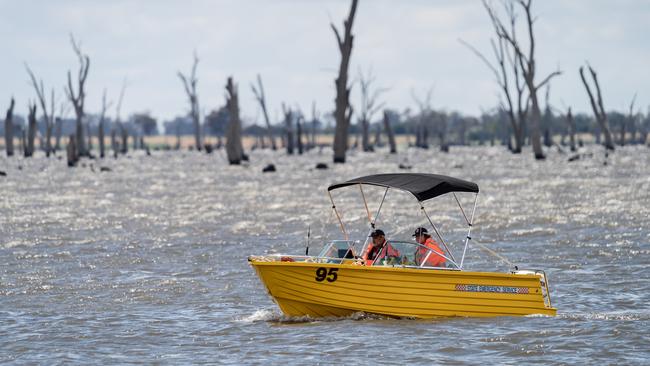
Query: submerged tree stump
x=31, y=131
x=389, y=132
x=9, y=129
x=234, y=148
x=71, y=151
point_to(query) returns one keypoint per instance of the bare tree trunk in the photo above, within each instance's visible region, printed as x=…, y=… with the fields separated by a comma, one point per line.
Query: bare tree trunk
x=597, y=107
x=190, y=90
x=23, y=141
x=48, y=135
x=47, y=117
x=527, y=65
x=378, y=142
x=71, y=149
x=389, y=132
x=9, y=129
x=100, y=136
x=288, y=123
x=261, y=98
x=233, y=142
x=79, y=98
x=535, y=119
x=365, y=139
x=31, y=131
x=314, y=119
x=629, y=120
x=442, y=133
x=178, y=136
x=90, y=138
x=343, y=111
x=425, y=137
x=125, y=140
x=572, y=130
x=299, y=135
x=59, y=128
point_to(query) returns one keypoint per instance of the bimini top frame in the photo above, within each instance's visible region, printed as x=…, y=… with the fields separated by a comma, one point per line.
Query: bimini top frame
x=423, y=187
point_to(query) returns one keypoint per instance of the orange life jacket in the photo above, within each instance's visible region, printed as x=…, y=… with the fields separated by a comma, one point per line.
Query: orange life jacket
x=373, y=253
x=435, y=259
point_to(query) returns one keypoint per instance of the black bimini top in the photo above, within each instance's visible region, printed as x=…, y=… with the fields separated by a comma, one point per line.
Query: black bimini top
x=422, y=186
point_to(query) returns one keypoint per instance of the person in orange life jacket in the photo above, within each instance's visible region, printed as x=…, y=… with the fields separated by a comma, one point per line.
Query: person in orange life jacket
x=379, y=249
x=434, y=260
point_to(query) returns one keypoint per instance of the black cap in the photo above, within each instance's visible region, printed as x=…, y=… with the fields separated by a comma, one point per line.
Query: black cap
x=376, y=233
x=421, y=231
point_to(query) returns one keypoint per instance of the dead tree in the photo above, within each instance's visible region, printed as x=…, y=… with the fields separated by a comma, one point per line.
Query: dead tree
x=314, y=120
x=71, y=151
x=572, y=130
x=548, y=117
x=63, y=112
x=369, y=106
x=102, y=118
x=118, y=122
x=508, y=67
x=299, y=134
x=343, y=111
x=234, y=148
x=31, y=131
x=377, y=141
x=9, y=129
x=442, y=131
x=629, y=120
x=527, y=65
x=47, y=117
x=389, y=132
x=421, y=130
x=189, y=83
x=288, y=126
x=77, y=99
x=261, y=98
x=89, y=135
x=597, y=106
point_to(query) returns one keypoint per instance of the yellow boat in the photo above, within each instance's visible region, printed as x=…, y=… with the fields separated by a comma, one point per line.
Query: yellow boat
x=399, y=283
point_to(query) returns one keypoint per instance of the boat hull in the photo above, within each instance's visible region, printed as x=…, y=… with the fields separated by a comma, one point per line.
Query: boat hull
x=323, y=289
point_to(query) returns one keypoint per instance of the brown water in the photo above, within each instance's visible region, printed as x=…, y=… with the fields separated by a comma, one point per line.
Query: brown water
x=147, y=263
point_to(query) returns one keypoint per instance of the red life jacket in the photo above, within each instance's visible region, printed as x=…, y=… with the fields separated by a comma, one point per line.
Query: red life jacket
x=435, y=259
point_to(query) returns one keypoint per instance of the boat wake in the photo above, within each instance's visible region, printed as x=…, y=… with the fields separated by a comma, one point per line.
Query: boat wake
x=271, y=316
x=613, y=316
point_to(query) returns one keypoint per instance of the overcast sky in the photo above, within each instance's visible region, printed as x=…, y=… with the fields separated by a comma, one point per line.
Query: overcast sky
x=410, y=45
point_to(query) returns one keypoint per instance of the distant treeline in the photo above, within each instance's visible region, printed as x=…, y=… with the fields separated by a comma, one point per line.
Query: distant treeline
x=442, y=127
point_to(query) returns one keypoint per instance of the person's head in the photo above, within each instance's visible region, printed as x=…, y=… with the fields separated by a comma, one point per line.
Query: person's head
x=421, y=235
x=377, y=236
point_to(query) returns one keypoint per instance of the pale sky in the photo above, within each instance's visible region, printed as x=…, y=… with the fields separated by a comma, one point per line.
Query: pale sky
x=410, y=45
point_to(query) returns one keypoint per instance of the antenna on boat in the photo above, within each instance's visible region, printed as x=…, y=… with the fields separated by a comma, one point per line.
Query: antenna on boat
x=308, y=236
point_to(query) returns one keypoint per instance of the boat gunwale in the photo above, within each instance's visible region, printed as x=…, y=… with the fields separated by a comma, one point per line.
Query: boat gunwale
x=446, y=271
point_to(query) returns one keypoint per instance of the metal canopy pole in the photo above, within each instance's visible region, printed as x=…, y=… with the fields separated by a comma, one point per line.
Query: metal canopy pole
x=437, y=233
x=372, y=222
x=345, y=233
x=469, y=229
x=365, y=203
x=461, y=209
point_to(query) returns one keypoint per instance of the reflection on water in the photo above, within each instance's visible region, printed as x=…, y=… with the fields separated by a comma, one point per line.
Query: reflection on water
x=147, y=263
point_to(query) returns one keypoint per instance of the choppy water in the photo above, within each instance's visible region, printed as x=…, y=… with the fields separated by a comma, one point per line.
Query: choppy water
x=147, y=263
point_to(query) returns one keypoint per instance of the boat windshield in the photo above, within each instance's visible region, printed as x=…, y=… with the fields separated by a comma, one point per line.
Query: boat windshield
x=400, y=253
x=339, y=249
x=411, y=254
